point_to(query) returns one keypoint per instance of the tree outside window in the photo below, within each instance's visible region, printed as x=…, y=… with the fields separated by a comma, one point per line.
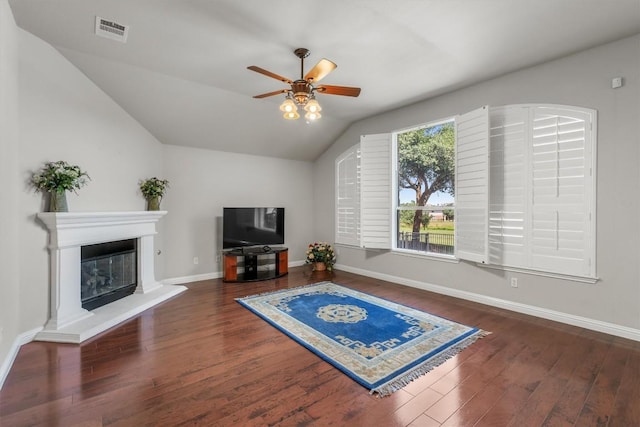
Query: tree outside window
x=426, y=178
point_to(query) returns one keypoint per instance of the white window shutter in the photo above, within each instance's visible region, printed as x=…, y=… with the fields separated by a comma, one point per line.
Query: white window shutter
x=508, y=220
x=562, y=190
x=472, y=186
x=348, y=197
x=376, y=213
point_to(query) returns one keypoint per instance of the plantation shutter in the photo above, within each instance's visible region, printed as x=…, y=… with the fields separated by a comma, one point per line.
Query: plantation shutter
x=348, y=197
x=472, y=185
x=375, y=191
x=509, y=136
x=562, y=190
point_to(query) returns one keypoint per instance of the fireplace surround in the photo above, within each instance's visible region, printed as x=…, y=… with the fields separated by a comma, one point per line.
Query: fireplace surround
x=68, y=233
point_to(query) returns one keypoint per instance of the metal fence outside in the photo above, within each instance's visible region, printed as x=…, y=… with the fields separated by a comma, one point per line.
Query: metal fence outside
x=439, y=243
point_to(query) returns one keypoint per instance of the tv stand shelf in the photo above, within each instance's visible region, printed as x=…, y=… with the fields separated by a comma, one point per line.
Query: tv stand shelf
x=277, y=256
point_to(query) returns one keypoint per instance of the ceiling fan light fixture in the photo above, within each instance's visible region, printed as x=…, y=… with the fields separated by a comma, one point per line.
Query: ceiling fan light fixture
x=288, y=106
x=312, y=116
x=301, y=97
x=291, y=115
x=312, y=106
x=302, y=91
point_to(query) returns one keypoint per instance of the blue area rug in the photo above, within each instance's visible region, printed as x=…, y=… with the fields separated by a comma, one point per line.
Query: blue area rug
x=380, y=344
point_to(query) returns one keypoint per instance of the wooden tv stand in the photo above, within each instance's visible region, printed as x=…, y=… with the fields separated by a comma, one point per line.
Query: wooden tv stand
x=277, y=256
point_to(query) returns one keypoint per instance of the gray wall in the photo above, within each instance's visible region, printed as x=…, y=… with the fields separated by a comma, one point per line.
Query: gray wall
x=204, y=181
x=584, y=80
x=9, y=187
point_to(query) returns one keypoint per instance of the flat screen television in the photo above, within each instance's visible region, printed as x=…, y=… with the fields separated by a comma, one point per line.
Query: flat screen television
x=243, y=227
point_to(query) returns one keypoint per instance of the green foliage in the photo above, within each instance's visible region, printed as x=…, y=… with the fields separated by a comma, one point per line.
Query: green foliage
x=59, y=176
x=408, y=217
x=153, y=187
x=426, y=164
x=449, y=214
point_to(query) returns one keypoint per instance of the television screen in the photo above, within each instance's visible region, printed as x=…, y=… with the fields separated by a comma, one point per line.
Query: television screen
x=252, y=227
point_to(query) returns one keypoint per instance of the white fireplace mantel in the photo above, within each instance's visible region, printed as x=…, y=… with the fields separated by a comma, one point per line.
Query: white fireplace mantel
x=68, y=232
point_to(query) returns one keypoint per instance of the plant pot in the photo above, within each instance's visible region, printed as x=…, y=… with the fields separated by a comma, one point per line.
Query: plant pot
x=153, y=203
x=319, y=266
x=58, y=201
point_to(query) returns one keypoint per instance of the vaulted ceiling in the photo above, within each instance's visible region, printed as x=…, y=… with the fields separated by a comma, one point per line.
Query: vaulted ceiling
x=183, y=71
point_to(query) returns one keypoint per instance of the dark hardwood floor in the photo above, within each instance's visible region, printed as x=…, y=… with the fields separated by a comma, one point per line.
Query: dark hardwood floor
x=202, y=359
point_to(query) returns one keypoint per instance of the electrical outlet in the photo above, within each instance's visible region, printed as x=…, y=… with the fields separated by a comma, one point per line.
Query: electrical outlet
x=218, y=258
x=616, y=82
x=196, y=260
x=514, y=282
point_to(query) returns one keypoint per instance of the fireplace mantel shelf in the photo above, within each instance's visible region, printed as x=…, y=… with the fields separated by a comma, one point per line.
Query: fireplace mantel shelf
x=68, y=232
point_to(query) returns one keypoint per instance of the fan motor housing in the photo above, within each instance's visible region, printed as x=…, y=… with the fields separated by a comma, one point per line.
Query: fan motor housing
x=301, y=90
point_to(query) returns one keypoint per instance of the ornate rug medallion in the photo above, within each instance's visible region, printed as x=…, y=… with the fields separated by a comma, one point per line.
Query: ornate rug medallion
x=380, y=344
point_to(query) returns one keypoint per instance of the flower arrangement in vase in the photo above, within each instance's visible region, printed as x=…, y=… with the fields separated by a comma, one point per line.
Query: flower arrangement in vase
x=153, y=190
x=55, y=179
x=321, y=255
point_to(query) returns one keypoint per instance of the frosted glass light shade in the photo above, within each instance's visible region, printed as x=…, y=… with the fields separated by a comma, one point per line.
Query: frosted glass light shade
x=288, y=106
x=312, y=116
x=291, y=115
x=312, y=106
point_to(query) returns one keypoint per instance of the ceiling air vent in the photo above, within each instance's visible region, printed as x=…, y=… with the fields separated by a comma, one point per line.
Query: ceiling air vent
x=111, y=30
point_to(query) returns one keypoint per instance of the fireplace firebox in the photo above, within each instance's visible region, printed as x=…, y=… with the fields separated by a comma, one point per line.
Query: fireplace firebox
x=108, y=272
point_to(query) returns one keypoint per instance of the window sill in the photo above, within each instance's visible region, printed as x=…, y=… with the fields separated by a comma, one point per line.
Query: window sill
x=582, y=279
x=425, y=255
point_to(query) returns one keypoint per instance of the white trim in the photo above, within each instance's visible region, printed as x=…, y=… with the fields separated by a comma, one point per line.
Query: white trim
x=19, y=341
x=425, y=255
x=557, y=316
x=192, y=278
x=209, y=276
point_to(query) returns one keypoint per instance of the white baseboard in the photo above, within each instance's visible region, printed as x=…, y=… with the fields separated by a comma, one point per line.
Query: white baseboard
x=20, y=340
x=194, y=278
x=558, y=316
x=208, y=276
x=296, y=263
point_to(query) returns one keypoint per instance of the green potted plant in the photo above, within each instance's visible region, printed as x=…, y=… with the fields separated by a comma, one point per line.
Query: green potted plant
x=55, y=179
x=321, y=255
x=153, y=190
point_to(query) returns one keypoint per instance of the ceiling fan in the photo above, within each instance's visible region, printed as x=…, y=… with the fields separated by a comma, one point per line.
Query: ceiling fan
x=302, y=91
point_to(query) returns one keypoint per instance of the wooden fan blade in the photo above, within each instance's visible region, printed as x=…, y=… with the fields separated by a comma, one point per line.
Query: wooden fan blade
x=275, y=92
x=320, y=70
x=339, y=90
x=269, y=74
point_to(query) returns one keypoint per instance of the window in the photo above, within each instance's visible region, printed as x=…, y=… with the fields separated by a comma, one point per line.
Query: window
x=524, y=181
x=424, y=188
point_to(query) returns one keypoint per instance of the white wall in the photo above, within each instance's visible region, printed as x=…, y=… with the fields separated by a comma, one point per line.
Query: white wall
x=64, y=116
x=204, y=181
x=582, y=80
x=9, y=188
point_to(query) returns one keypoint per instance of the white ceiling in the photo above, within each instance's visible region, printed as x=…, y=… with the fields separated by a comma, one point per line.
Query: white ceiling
x=182, y=73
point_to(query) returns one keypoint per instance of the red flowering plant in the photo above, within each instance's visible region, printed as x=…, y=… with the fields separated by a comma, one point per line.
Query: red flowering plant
x=321, y=252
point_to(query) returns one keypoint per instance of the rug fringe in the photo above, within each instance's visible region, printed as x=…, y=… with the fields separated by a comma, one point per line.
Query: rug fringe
x=420, y=370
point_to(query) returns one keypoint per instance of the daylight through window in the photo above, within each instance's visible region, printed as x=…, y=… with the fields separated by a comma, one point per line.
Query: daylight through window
x=425, y=188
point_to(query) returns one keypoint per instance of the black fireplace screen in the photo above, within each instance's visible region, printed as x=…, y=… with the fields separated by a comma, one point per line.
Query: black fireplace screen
x=108, y=272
